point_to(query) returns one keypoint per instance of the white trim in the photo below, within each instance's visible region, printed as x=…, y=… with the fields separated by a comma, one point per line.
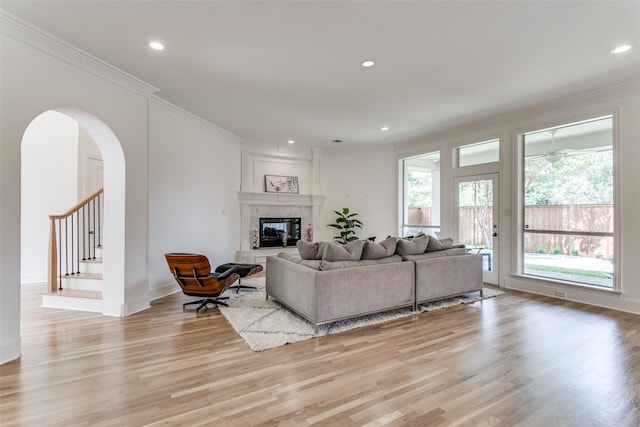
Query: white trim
x=72, y=303
x=526, y=118
x=136, y=306
x=598, y=298
x=45, y=42
x=279, y=199
x=29, y=279
x=188, y=118
x=10, y=351
x=163, y=291
x=114, y=309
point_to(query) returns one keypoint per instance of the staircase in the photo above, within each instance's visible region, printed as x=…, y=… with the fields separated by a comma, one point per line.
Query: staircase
x=75, y=257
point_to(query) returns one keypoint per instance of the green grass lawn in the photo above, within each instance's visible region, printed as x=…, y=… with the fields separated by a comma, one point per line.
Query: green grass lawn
x=572, y=271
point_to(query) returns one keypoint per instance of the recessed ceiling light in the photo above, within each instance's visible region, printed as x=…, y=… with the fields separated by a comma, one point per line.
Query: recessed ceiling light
x=156, y=46
x=368, y=63
x=620, y=49
x=291, y=141
x=384, y=128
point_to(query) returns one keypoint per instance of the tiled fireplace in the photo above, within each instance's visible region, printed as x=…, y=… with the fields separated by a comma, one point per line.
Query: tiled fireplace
x=254, y=206
x=256, y=203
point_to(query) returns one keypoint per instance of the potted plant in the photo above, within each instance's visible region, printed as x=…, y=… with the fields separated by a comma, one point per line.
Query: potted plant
x=346, y=222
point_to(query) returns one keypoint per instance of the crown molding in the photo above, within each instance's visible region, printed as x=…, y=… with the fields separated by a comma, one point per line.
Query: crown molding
x=506, y=119
x=191, y=119
x=22, y=31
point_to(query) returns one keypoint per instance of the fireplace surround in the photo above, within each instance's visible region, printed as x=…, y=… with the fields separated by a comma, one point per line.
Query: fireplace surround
x=268, y=205
x=256, y=203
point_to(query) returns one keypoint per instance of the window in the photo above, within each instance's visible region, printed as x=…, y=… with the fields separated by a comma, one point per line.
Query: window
x=568, y=203
x=421, y=195
x=478, y=153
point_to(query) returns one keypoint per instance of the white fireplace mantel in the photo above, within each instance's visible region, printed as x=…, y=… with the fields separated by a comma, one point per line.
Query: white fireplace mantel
x=249, y=200
x=279, y=199
x=255, y=203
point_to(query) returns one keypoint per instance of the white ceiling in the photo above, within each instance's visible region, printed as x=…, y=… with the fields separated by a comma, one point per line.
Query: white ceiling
x=270, y=71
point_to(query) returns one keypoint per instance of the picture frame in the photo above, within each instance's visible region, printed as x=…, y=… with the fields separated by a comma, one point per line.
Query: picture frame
x=281, y=184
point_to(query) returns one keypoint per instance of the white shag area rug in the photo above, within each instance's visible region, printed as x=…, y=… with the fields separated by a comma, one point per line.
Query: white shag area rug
x=266, y=324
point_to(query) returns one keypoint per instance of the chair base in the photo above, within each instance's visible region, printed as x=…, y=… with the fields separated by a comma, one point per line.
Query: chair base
x=241, y=286
x=203, y=302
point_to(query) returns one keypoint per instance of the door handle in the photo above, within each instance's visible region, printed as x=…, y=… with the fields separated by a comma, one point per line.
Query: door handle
x=495, y=234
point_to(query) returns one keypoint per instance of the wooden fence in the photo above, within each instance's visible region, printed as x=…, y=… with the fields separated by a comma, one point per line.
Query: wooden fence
x=476, y=228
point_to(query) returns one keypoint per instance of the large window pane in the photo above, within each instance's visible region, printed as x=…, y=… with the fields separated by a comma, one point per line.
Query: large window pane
x=421, y=195
x=569, y=203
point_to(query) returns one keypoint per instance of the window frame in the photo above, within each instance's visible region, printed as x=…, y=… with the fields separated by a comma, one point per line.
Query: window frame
x=519, y=199
x=403, y=223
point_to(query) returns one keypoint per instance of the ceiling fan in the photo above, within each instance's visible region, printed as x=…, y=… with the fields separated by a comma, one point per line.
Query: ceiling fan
x=553, y=155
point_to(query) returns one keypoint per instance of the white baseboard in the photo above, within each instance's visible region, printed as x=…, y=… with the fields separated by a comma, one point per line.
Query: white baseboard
x=10, y=351
x=28, y=279
x=136, y=306
x=164, y=290
x=594, y=297
x=72, y=303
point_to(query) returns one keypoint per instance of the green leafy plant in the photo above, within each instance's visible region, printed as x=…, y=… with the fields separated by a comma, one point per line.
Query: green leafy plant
x=557, y=250
x=540, y=250
x=575, y=251
x=346, y=222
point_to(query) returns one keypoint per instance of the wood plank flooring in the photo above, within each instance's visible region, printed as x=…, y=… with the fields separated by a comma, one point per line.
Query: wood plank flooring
x=515, y=360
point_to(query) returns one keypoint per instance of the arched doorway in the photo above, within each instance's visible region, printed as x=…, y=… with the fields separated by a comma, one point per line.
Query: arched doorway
x=113, y=294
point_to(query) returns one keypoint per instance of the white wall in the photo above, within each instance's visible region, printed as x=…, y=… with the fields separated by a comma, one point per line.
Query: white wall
x=624, y=102
x=87, y=149
x=49, y=186
x=33, y=81
x=157, y=160
x=364, y=181
x=194, y=177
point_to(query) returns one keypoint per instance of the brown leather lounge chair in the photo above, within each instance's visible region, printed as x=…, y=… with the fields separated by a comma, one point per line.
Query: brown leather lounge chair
x=193, y=274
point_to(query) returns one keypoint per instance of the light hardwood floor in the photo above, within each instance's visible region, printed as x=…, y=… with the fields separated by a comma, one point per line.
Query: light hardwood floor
x=515, y=360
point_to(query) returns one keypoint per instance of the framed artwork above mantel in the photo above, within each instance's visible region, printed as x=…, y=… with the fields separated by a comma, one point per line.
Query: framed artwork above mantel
x=281, y=184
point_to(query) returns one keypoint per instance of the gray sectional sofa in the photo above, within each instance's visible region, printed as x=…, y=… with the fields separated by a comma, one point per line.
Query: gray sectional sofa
x=326, y=283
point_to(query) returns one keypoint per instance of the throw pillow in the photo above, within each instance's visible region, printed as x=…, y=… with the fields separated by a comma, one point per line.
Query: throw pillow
x=412, y=247
x=385, y=248
x=307, y=250
x=311, y=250
x=352, y=251
x=439, y=245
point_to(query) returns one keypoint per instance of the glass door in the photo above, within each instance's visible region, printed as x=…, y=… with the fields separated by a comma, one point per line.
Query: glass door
x=476, y=224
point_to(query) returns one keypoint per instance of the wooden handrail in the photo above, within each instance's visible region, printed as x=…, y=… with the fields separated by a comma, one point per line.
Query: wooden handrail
x=54, y=253
x=77, y=207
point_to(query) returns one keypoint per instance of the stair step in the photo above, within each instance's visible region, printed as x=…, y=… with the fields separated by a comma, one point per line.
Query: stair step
x=74, y=299
x=83, y=281
x=91, y=266
x=76, y=293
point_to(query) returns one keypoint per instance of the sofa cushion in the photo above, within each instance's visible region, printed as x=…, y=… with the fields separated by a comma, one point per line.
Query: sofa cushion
x=412, y=247
x=309, y=250
x=436, y=254
x=336, y=265
x=311, y=263
x=373, y=250
x=352, y=251
x=439, y=245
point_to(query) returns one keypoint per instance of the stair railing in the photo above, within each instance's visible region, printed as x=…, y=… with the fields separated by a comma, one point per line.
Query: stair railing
x=74, y=236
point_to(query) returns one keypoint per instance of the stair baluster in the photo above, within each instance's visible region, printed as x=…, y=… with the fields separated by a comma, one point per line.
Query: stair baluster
x=73, y=239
